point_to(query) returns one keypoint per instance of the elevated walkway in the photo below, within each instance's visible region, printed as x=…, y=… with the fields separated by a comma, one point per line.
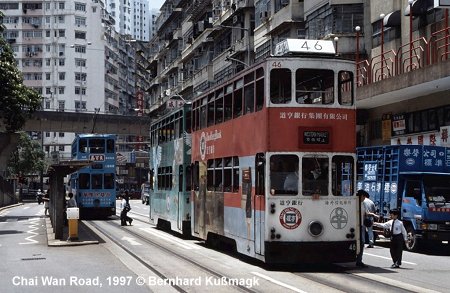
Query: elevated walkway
x=88, y=122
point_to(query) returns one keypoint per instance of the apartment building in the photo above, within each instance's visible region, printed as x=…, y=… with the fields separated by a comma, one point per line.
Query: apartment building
x=69, y=52
x=201, y=43
x=132, y=18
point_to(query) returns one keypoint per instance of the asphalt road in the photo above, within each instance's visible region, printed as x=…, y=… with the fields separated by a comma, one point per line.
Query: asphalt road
x=141, y=258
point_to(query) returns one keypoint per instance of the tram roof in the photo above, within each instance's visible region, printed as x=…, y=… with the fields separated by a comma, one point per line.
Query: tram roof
x=303, y=46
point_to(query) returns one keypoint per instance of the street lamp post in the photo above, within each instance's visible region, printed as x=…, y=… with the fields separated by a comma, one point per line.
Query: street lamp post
x=81, y=64
x=336, y=40
x=382, y=44
x=357, y=29
x=410, y=2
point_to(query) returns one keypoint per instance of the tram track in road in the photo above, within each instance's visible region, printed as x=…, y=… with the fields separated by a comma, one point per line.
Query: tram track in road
x=340, y=278
x=158, y=272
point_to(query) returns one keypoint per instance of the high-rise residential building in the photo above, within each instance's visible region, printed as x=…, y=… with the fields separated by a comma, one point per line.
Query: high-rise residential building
x=70, y=53
x=59, y=56
x=132, y=17
x=153, y=16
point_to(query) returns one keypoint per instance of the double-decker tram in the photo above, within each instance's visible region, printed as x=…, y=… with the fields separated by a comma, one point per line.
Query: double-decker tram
x=94, y=186
x=170, y=171
x=273, y=158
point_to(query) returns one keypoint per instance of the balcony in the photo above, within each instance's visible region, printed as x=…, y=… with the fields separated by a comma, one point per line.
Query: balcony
x=419, y=68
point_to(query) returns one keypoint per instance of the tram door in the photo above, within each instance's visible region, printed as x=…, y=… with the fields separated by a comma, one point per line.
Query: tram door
x=259, y=203
x=199, y=174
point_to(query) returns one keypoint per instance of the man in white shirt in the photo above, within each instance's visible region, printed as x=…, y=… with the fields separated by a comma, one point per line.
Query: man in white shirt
x=398, y=237
x=370, y=208
x=71, y=203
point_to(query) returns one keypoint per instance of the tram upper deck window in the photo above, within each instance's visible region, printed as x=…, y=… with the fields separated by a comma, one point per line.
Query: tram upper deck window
x=97, y=146
x=284, y=175
x=237, y=98
x=280, y=86
x=83, y=145
x=345, y=94
x=315, y=175
x=314, y=86
x=110, y=146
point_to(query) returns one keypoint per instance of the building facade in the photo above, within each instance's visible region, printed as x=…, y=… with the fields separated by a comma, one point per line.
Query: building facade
x=400, y=44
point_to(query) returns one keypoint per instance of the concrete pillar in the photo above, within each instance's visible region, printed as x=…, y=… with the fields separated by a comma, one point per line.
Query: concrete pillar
x=56, y=207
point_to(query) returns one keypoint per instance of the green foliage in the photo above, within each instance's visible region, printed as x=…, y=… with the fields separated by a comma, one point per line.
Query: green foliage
x=17, y=102
x=28, y=158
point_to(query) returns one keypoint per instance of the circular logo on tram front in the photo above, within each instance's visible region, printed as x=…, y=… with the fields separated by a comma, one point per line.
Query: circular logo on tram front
x=339, y=218
x=290, y=218
x=203, y=146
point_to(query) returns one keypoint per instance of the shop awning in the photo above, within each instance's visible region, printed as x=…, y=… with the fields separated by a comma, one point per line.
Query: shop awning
x=419, y=7
x=392, y=19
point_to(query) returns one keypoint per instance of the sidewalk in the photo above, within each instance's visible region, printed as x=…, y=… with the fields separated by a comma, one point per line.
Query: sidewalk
x=85, y=235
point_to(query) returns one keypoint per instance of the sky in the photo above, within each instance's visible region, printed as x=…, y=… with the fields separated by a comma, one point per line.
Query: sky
x=156, y=4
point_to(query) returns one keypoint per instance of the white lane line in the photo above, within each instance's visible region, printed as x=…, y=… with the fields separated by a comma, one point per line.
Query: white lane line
x=170, y=239
x=26, y=208
x=395, y=283
x=278, y=282
x=388, y=258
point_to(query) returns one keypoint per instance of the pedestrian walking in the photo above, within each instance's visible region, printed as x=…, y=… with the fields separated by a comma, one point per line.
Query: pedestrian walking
x=125, y=205
x=369, y=219
x=46, y=199
x=398, y=237
x=361, y=195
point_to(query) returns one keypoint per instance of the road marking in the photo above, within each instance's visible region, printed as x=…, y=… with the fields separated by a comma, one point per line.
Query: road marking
x=34, y=227
x=25, y=208
x=170, y=239
x=395, y=283
x=278, y=282
x=384, y=257
x=131, y=240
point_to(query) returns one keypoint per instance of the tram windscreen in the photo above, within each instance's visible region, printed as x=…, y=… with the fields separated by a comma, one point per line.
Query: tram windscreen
x=315, y=175
x=284, y=174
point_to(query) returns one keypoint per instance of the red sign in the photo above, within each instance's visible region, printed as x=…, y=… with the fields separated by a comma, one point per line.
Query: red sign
x=96, y=158
x=290, y=218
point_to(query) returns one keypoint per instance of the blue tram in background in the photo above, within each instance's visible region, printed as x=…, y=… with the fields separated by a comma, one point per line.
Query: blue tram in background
x=94, y=186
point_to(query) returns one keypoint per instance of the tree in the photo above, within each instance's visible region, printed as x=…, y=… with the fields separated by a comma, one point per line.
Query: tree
x=28, y=158
x=17, y=102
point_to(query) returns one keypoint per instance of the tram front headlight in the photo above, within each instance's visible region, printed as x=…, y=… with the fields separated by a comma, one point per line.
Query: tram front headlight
x=315, y=228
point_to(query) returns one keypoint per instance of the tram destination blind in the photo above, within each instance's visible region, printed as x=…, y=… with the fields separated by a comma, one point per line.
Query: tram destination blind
x=316, y=137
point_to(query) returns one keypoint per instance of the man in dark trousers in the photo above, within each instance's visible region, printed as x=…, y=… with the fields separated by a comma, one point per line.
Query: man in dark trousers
x=125, y=209
x=398, y=237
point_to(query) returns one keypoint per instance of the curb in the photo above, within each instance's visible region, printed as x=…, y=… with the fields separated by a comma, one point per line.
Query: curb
x=11, y=206
x=52, y=242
